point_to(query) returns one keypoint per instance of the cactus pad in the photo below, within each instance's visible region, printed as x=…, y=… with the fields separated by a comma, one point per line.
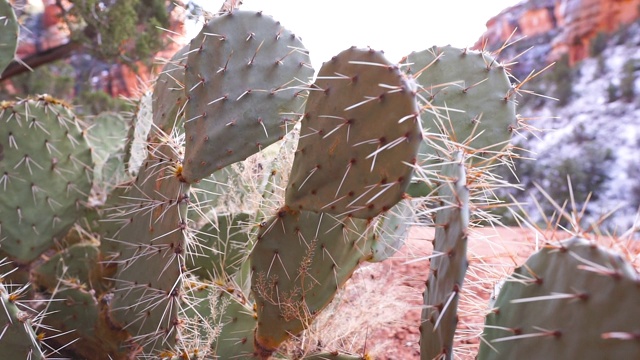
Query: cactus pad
x=76, y=313
x=298, y=263
x=359, y=137
x=447, y=271
x=572, y=300
x=246, y=82
x=8, y=34
x=467, y=99
x=151, y=255
x=17, y=336
x=45, y=161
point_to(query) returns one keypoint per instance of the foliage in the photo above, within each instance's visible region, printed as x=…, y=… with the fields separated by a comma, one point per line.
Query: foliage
x=125, y=30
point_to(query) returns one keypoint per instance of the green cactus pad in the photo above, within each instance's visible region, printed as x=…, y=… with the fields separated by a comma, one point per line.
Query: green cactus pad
x=107, y=137
x=222, y=247
x=238, y=321
x=439, y=316
x=246, y=82
x=8, y=34
x=467, y=98
x=573, y=300
x=169, y=97
x=79, y=263
x=76, y=313
x=17, y=337
x=359, y=137
x=392, y=230
x=151, y=250
x=46, y=163
x=225, y=319
x=298, y=263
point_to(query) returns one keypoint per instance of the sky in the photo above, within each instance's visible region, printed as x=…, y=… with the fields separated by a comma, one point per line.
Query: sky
x=396, y=27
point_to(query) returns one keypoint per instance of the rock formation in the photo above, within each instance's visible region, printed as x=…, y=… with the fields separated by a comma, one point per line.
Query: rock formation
x=559, y=26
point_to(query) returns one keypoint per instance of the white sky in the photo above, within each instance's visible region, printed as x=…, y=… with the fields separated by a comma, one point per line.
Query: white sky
x=396, y=27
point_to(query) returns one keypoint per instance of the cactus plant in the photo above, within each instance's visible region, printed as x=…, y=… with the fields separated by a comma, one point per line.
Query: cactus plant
x=299, y=262
x=253, y=64
x=573, y=299
x=172, y=280
x=448, y=267
x=360, y=124
x=467, y=99
x=17, y=336
x=46, y=161
x=8, y=34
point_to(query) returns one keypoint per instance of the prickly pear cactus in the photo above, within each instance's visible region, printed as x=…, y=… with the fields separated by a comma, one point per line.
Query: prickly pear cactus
x=151, y=250
x=46, y=165
x=298, y=263
x=8, y=34
x=246, y=80
x=76, y=320
x=570, y=300
x=467, y=99
x=17, y=338
x=447, y=271
x=359, y=137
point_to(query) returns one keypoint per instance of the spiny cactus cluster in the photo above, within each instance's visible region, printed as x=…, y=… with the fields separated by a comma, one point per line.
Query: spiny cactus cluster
x=220, y=220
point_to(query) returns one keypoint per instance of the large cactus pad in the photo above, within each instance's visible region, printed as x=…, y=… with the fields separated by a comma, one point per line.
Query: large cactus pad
x=575, y=300
x=359, y=137
x=45, y=175
x=299, y=262
x=245, y=81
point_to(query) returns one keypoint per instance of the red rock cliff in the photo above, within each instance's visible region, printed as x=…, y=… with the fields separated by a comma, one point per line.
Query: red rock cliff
x=568, y=25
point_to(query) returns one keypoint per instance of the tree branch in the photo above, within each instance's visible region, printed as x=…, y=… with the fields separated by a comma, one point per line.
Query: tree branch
x=38, y=59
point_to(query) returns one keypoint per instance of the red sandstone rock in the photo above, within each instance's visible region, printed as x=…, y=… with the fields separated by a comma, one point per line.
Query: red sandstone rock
x=573, y=23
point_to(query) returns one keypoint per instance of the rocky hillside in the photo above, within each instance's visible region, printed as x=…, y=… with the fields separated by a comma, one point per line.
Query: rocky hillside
x=592, y=128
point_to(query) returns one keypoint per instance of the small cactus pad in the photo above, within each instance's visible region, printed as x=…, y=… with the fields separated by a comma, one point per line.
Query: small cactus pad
x=17, y=337
x=46, y=176
x=573, y=300
x=447, y=271
x=222, y=247
x=169, y=97
x=466, y=98
x=8, y=34
x=246, y=82
x=76, y=316
x=360, y=134
x=238, y=321
x=227, y=315
x=298, y=263
x=151, y=255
